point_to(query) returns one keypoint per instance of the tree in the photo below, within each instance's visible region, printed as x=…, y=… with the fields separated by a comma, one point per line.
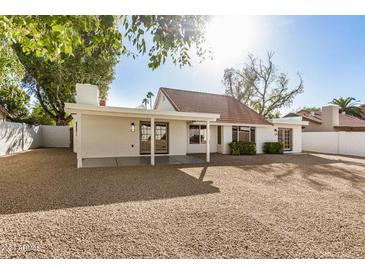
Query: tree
x=60, y=51
x=52, y=36
x=145, y=102
x=349, y=105
x=149, y=97
x=12, y=96
x=39, y=117
x=261, y=86
x=309, y=109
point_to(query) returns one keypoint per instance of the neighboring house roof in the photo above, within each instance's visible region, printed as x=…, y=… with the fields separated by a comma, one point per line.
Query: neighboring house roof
x=345, y=120
x=230, y=109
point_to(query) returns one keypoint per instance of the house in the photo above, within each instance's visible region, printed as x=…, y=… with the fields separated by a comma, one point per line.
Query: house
x=181, y=122
x=3, y=114
x=329, y=119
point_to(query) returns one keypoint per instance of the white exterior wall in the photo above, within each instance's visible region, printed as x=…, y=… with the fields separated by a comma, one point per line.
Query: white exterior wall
x=297, y=136
x=346, y=143
x=202, y=148
x=263, y=135
x=108, y=136
x=55, y=136
x=163, y=103
x=226, y=139
x=17, y=137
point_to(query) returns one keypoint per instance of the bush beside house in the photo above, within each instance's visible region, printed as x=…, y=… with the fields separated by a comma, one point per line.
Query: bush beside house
x=243, y=148
x=274, y=148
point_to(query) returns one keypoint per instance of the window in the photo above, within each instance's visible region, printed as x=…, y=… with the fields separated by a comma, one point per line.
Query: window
x=253, y=134
x=234, y=134
x=197, y=134
x=244, y=134
x=219, y=135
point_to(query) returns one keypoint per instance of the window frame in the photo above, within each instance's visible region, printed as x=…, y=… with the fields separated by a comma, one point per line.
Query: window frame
x=201, y=136
x=248, y=129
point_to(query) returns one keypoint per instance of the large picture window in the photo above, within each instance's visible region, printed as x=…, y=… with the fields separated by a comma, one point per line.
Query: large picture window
x=244, y=134
x=197, y=134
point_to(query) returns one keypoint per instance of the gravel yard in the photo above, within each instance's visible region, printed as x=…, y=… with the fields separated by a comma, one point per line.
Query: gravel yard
x=264, y=206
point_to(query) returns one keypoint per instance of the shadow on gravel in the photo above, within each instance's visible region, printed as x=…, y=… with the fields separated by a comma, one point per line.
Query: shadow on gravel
x=46, y=179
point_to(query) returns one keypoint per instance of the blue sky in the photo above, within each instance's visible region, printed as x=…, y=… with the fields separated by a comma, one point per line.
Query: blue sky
x=328, y=51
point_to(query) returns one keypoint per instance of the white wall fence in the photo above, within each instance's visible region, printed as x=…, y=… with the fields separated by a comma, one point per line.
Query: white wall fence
x=346, y=143
x=17, y=137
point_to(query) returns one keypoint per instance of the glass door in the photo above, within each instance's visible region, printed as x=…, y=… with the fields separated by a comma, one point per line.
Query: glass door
x=161, y=138
x=285, y=135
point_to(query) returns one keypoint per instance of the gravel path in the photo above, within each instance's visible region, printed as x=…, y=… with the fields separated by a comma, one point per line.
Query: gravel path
x=265, y=206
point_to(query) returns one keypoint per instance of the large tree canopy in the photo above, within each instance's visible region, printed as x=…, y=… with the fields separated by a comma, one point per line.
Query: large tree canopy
x=60, y=51
x=261, y=86
x=12, y=96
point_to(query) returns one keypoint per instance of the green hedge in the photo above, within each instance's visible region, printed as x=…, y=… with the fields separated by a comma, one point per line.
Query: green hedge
x=243, y=148
x=274, y=148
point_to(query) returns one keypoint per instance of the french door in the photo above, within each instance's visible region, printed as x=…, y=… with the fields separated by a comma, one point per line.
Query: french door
x=161, y=138
x=285, y=135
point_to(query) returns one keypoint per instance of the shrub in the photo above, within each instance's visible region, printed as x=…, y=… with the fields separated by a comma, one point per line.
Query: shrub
x=235, y=150
x=243, y=148
x=274, y=148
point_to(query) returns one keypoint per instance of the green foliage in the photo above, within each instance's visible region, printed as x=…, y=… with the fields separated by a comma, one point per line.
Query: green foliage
x=243, y=148
x=172, y=35
x=149, y=96
x=12, y=96
x=274, y=147
x=51, y=37
x=53, y=82
x=261, y=86
x=59, y=51
x=39, y=117
x=308, y=109
x=349, y=105
x=234, y=147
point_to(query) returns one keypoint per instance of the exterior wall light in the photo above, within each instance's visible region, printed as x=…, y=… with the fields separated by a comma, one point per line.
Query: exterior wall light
x=133, y=127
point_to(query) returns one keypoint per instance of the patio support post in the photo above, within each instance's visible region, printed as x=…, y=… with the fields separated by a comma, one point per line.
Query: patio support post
x=79, y=144
x=208, y=141
x=152, y=141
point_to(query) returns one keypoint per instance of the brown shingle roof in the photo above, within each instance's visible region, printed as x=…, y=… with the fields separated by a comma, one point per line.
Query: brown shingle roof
x=230, y=109
x=345, y=120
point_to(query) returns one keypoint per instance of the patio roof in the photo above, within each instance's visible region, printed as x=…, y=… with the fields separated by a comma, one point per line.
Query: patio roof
x=139, y=113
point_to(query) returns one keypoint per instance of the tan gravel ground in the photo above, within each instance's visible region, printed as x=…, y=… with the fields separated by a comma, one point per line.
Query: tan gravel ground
x=265, y=206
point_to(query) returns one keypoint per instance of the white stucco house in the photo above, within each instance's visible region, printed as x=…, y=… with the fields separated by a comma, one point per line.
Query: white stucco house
x=180, y=123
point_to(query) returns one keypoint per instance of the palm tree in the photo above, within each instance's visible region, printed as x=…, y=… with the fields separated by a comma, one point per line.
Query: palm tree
x=149, y=96
x=145, y=102
x=349, y=105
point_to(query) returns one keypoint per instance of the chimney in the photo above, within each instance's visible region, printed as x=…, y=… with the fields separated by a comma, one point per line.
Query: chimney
x=87, y=94
x=330, y=117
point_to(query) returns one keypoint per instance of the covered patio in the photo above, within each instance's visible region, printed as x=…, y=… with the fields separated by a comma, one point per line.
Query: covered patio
x=116, y=136
x=142, y=160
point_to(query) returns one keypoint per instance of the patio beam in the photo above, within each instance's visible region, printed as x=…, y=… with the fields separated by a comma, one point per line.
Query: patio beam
x=152, y=141
x=208, y=142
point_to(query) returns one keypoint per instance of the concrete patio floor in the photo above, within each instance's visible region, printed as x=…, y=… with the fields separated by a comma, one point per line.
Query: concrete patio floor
x=143, y=160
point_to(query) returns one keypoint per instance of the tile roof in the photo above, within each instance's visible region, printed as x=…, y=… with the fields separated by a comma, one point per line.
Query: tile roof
x=345, y=120
x=230, y=109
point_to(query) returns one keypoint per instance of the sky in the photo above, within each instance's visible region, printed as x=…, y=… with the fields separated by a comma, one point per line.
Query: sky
x=328, y=51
